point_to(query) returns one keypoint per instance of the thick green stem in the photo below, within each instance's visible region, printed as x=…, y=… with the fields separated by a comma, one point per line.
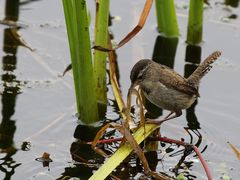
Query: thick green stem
x=195, y=22
x=166, y=18
x=101, y=34
x=79, y=42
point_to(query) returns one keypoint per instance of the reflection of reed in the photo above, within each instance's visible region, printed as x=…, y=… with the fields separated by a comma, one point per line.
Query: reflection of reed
x=10, y=92
x=165, y=50
x=82, y=153
x=233, y=3
x=163, y=53
x=193, y=57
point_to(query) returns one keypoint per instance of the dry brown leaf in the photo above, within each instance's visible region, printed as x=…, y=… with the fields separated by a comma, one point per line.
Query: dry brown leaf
x=135, y=30
x=235, y=150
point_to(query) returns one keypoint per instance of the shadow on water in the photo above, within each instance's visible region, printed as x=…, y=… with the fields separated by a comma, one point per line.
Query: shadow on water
x=10, y=92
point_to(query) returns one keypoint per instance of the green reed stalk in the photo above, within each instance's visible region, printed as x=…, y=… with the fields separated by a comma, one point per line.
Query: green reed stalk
x=79, y=42
x=71, y=29
x=166, y=18
x=101, y=35
x=195, y=22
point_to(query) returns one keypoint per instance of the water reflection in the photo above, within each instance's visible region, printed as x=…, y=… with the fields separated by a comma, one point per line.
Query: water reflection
x=192, y=58
x=233, y=3
x=28, y=2
x=10, y=92
x=85, y=158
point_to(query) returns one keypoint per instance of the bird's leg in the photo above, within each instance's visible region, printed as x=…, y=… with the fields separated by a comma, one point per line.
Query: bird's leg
x=168, y=117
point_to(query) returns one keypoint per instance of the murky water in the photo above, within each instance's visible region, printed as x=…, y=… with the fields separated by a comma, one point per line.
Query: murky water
x=38, y=106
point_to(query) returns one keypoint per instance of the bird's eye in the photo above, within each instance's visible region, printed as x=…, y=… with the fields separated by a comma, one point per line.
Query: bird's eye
x=140, y=76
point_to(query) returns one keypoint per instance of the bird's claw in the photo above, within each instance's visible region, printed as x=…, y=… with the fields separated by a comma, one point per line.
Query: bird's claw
x=153, y=121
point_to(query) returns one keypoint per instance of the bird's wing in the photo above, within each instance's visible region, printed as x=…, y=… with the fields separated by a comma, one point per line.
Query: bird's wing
x=172, y=79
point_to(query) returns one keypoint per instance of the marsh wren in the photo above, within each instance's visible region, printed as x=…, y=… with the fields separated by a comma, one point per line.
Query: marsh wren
x=167, y=89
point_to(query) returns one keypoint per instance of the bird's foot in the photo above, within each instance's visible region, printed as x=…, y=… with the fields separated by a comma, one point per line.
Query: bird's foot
x=168, y=117
x=154, y=121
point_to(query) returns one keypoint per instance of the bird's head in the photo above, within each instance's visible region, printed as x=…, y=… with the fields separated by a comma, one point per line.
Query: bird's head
x=138, y=71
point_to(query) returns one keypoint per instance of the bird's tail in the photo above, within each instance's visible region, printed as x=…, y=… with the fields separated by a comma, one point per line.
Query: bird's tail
x=203, y=68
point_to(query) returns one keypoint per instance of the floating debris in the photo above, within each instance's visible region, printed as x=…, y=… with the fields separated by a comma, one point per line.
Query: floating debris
x=45, y=159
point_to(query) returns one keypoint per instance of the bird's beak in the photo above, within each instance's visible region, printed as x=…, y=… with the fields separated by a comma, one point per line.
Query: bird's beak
x=133, y=85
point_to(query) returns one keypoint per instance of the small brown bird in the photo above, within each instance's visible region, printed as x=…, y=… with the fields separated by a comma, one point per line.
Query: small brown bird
x=167, y=89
